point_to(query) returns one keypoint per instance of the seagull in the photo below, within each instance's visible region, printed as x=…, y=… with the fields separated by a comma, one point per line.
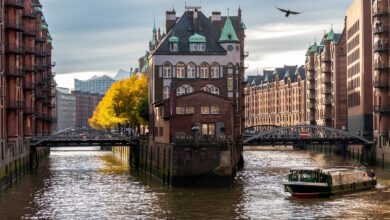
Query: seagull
x=288, y=12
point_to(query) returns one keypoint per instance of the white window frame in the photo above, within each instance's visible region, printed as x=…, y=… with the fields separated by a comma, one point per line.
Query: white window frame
x=180, y=91
x=214, y=71
x=180, y=110
x=191, y=71
x=214, y=90
x=204, y=71
x=205, y=110
x=167, y=71
x=180, y=71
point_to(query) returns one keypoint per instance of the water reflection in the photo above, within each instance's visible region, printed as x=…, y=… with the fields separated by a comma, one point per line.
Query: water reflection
x=97, y=185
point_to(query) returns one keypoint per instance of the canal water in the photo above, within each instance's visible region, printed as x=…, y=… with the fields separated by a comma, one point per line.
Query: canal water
x=96, y=185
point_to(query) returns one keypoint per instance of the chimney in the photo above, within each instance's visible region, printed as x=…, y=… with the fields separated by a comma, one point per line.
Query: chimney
x=216, y=19
x=170, y=20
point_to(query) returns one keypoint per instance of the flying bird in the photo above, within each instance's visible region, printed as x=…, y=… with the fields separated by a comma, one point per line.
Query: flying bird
x=288, y=12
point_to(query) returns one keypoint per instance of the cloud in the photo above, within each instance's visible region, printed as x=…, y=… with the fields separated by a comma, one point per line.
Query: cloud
x=105, y=36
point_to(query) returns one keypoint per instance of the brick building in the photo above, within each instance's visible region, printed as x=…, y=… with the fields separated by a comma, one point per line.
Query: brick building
x=326, y=81
x=86, y=103
x=196, y=84
x=359, y=68
x=381, y=55
x=276, y=98
x=26, y=83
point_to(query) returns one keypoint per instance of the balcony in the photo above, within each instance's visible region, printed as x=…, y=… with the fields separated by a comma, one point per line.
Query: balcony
x=29, y=86
x=14, y=48
x=29, y=111
x=310, y=76
x=15, y=72
x=14, y=24
x=311, y=86
x=379, y=84
x=312, y=106
x=381, y=48
x=311, y=96
x=29, y=14
x=328, y=101
x=39, y=39
x=40, y=53
x=382, y=109
x=246, y=54
x=327, y=117
x=14, y=3
x=29, y=68
x=326, y=68
x=327, y=80
x=381, y=66
x=327, y=91
x=53, y=64
x=325, y=57
x=15, y=104
x=379, y=31
x=30, y=50
x=379, y=13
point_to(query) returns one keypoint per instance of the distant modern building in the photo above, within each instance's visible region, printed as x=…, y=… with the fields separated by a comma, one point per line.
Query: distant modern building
x=66, y=109
x=96, y=84
x=85, y=106
x=276, y=98
x=100, y=84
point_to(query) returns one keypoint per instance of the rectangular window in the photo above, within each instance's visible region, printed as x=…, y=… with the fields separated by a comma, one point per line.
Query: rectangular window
x=230, y=84
x=161, y=131
x=208, y=129
x=205, y=110
x=180, y=110
x=214, y=110
x=190, y=110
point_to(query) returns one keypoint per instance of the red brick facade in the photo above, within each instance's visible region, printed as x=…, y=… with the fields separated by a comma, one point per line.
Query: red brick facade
x=26, y=80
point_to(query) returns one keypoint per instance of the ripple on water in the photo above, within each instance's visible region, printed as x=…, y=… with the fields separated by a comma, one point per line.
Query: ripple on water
x=96, y=185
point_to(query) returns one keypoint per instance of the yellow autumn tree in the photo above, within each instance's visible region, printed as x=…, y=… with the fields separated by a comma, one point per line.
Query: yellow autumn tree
x=123, y=104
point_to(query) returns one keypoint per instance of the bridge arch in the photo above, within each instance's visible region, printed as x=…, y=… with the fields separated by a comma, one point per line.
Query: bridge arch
x=307, y=133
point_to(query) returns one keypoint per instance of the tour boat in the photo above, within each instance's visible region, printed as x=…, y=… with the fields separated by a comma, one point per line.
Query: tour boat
x=313, y=182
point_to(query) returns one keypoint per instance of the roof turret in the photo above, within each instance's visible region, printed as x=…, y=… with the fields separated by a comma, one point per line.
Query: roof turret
x=228, y=32
x=197, y=38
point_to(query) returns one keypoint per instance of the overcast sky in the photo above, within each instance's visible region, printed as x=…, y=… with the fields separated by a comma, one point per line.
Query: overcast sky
x=100, y=37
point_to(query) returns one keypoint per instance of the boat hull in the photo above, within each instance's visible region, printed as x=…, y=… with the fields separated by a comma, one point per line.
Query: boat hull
x=320, y=190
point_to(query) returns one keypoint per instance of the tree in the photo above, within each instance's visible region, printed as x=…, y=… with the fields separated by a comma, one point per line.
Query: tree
x=125, y=103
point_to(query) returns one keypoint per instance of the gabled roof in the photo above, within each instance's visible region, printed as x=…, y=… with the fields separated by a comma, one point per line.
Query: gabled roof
x=228, y=32
x=184, y=29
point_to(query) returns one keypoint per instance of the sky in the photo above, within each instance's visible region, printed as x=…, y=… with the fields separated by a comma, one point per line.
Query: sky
x=100, y=37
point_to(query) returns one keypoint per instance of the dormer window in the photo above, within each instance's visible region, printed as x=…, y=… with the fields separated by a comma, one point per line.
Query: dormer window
x=174, y=43
x=197, y=43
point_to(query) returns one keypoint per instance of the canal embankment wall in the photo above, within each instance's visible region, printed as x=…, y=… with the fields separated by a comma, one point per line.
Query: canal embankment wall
x=184, y=164
x=363, y=154
x=15, y=162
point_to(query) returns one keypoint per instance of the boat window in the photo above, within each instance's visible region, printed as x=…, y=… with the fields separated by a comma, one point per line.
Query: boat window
x=304, y=176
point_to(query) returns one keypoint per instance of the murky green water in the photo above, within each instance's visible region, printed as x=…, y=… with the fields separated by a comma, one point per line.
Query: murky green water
x=96, y=185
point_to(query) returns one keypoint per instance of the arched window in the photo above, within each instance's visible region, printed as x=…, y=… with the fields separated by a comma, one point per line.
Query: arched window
x=167, y=70
x=180, y=70
x=204, y=71
x=166, y=92
x=189, y=89
x=180, y=91
x=214, y=90
x=191, y=70
x=215, y=71
x=206, y=89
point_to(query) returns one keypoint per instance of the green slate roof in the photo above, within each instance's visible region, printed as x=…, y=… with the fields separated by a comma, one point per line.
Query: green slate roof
x=330, y=35
x=228, y=32
x=173, y=39
x=287, y=74
x=44, y=26
x=314, y=48
x=197, y=38
x=243, y=26
x=38, y=9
